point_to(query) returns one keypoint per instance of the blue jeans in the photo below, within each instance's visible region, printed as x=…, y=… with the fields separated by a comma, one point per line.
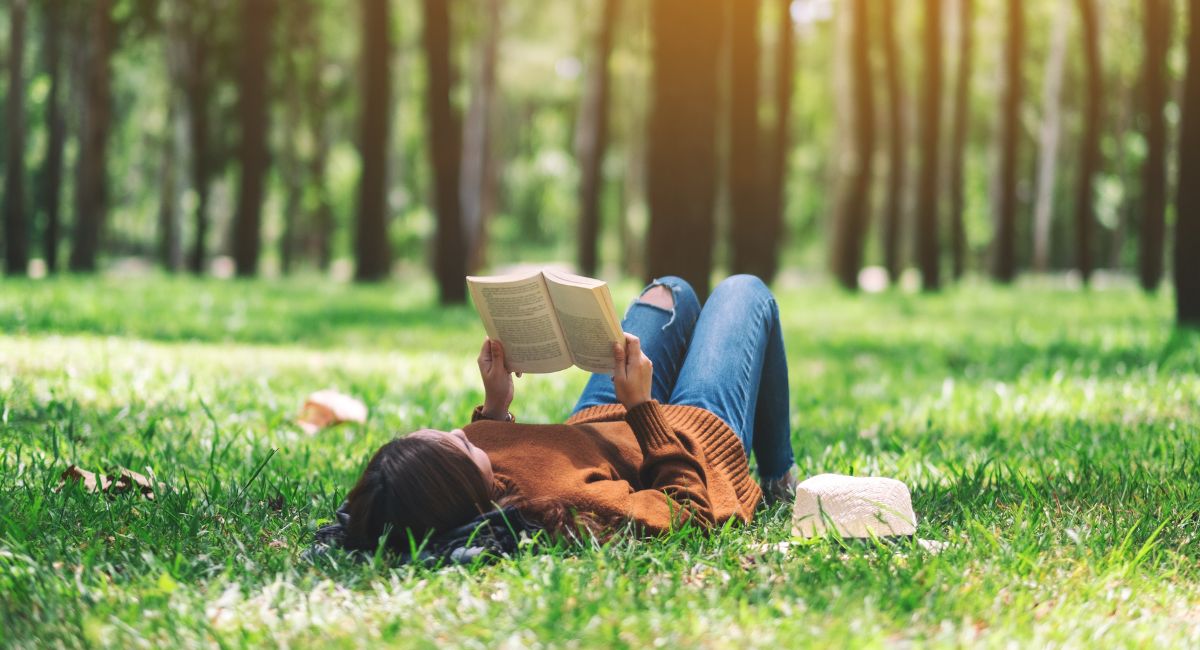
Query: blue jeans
x=727, y=359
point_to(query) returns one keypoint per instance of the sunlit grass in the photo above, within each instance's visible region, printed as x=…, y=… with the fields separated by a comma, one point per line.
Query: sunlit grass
x=1050, y=436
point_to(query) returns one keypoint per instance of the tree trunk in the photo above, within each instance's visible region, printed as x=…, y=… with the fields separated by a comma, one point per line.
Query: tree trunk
x=252, y=149
x=91, y=183
x=765, y=263
x=50, y=185
x=1005, y=264
x=682, y=169
x=744, y=133
x=928, y=254
x=592, y=141
x=958, y=149
x=1089, y=146
x=1187, y=197
x=477, y=181
x=1157, y=32
x=371, y=239
x=296, y=23
x=1043, y=208
x=16, y=217
x=851, y=227
x=445, y=153
x=170, y=244
x=893, y=210
x=199, y=88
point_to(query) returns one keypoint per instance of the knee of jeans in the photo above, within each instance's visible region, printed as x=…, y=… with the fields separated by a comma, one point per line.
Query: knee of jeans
x=744, y=283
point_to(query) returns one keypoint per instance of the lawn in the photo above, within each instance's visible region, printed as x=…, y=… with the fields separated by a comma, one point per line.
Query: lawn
x=1051, y=437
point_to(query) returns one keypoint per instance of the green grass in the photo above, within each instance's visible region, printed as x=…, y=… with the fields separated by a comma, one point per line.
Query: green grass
x=1051, y=437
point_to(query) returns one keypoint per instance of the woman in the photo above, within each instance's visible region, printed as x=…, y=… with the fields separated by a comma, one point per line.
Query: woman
x=662, y=442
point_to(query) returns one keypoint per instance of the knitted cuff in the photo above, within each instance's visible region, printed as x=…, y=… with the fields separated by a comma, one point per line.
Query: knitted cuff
x=650, y=425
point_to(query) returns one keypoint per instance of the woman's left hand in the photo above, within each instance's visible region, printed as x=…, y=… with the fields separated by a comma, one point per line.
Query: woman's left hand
x=497, y=380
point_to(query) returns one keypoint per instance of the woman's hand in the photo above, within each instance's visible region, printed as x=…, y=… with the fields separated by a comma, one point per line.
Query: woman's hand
x=497, y=380
x=633, y=374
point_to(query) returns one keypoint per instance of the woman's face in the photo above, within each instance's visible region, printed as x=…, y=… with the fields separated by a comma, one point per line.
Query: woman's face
x=458, y=438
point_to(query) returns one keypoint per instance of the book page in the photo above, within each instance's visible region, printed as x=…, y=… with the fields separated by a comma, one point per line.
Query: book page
x=517, y=312
x=588, y=323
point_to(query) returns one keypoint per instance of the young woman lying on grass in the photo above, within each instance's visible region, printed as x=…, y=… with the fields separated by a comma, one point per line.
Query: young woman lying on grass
x=663, y=441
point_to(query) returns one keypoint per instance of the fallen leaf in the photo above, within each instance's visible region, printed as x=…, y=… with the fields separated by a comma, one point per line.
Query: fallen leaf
x=122, y=481
x=127, y=479
x=326, y=408
x=90, y=481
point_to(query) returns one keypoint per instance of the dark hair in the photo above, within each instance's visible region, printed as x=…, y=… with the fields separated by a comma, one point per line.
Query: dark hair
x=414, y=486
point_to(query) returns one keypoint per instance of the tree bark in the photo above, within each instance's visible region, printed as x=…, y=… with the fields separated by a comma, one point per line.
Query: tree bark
x=1043, y=208
x=445, y=153
x=1187, y=197
x=1005, y=264
x=851, y=228
x=16, y=216
x=682, y=169
x=743, y=169
x=50, y=177
x=371, y=243
x=958, y=149
x=592, y=141
x=893, y=210
x=170, y=244
x=91, y=183
x=296, y=22
x=1156, y=25
x=199, y=88
x=478, y=177
x=252, y=150
x=765, y=263
x=928, y=253
x=1089, y=146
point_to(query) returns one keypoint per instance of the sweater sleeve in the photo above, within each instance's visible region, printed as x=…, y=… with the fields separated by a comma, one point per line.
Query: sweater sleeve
x=672, y=473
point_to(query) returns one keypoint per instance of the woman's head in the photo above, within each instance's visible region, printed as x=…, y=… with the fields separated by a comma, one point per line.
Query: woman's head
x=424, y=483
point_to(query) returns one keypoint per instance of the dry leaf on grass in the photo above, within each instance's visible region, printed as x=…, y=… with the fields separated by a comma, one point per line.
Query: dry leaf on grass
x=122, y=481
x=91, y=482
x=325, y=408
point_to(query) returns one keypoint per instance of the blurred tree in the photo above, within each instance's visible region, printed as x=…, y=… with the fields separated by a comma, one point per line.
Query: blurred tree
x=296, y=21
x=682, y=169
x=743, y=167
x=592, y=139
x=893, y=207
x=1187, y=197
x=1005, y=264
x=174, y=141
x=1089, y=154
x=16, y=217
x=958, y=146
x=1043, y=207
x=854, y=205
x=770, y=232
x=371, y=241
x=445, y=154
x=200, y=85
x=1156, y=24
x=51, y=174
x=91, y=182
x=256, y=29
x=930, y=120
x=478, y=178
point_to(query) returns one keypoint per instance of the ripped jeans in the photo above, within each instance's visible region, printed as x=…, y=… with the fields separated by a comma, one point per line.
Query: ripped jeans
x=727, y=359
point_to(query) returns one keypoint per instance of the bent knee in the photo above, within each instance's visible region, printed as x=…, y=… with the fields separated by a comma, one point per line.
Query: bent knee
x=658, y=295
x=743, y=282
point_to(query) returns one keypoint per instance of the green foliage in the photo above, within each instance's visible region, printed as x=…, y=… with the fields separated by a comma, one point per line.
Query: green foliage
x=1049, y=436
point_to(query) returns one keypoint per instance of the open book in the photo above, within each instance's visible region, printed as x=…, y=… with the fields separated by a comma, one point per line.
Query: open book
x=548, y=320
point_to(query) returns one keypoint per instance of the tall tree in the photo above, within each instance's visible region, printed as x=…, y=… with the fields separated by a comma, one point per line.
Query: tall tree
x=851, y=227
x=445, y=152
x=478, y=172
x=256, y=20
x=1156, y=25
x=1089, y=145
x=91, y=182
x=591, y=140
x=50, y=176
x=1005, y=264
x=765, y=263
x=893, y=207
x=682, y=169
x=199, y=86
x=1043, y=206
x=744, y=174
x=958, y=147
x=1187, y=196
x=370, y=242
x=928, y=253
x=16, y=217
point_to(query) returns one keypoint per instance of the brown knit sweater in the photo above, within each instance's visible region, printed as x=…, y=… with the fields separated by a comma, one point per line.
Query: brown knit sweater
x=655, y=465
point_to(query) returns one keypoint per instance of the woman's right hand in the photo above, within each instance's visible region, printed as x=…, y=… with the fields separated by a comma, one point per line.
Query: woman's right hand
x=633, y=374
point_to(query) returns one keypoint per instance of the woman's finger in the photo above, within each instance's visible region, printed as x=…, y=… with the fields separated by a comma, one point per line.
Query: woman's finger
x=618, y=360
x=485, y=352
x=635, y=348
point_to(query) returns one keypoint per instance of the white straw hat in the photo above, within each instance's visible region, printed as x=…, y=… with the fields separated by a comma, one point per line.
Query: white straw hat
x=855, y=506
